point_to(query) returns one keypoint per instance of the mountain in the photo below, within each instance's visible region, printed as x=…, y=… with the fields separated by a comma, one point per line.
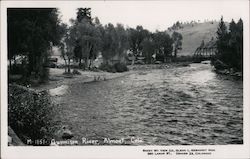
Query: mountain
x=193, y=34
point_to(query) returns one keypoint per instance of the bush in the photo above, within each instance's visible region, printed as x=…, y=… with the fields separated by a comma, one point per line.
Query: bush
x=76, y=72
x=118, y=67
x=17, y=69
x=43, y=74
x=184, y=59
x=106, y=67
x=30, y=114
x=219, y=65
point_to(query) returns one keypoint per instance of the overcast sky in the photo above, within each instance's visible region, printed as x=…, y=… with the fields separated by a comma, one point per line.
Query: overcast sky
x=154, y=15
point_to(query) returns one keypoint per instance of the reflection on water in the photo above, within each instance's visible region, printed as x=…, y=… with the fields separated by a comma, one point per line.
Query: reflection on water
x=185, y=105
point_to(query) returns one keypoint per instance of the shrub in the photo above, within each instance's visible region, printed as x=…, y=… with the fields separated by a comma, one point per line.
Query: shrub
x=184, y=59
x=120, y=67
x=117, y=67
x=76, y=72
x=17, y=69
x=30, y=114
x=43, y=74
x=105, y=67
x=219, y=65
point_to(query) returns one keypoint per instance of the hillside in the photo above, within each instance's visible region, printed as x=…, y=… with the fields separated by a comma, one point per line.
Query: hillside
x=193, y=34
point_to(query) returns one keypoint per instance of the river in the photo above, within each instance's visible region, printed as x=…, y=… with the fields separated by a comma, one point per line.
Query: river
x=176, y=106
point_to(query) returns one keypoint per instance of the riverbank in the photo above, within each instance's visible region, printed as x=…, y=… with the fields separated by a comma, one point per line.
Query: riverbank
x=57, y=78
x=222, y=68
x=229, y=72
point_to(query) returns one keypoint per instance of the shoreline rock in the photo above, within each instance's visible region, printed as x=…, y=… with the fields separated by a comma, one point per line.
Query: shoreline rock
x=229, y=72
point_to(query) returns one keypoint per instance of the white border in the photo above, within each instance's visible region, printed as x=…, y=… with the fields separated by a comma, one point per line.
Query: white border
x=228, y=151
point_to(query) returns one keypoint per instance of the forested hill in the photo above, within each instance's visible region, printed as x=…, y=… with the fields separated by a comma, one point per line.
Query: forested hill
x=193, y=34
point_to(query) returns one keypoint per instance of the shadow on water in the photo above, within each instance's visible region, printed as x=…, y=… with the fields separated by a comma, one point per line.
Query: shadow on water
x=180, y=106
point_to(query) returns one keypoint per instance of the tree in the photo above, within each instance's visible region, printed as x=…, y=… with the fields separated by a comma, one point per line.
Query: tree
x=230, y=44
x=122, y=37
x=222, y=41
x=84, y=13
x=148, y=49
x=87, y=37
x=136, y=36
x=163, y=45
x=31, y=33
x=240, y=44
x=232, y=52
x=236, y=44
x=67, y=47
x=110, y=42
x=89, y=40
x=177, y=40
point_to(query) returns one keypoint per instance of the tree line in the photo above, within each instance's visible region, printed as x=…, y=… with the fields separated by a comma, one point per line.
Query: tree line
x=230, y=44
x=33, y=32
x=87, y=37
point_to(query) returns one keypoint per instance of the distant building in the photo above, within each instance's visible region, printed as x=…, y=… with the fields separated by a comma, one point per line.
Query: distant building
x=98, y=61
x=56, y=54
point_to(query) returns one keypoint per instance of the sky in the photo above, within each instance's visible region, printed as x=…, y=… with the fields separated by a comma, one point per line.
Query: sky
x=156, y=15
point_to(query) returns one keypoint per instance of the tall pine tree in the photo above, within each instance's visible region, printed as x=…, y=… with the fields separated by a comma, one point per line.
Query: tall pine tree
x=222, y=41
x=230, y=44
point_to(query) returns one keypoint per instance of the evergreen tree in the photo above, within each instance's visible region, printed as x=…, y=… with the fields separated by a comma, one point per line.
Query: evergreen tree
x=230, y=44
x=84, y=13
x=239, y=39
x=222, y=41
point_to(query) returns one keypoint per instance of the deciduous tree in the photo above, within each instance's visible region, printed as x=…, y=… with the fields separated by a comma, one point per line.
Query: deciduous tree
x=177, y=39
x=31, y=33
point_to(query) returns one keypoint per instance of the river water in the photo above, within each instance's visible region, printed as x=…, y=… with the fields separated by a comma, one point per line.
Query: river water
x=176, y=106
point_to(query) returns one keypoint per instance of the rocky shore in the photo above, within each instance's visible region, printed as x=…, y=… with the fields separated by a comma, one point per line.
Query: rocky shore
x=229, y=72
x=222, y=68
